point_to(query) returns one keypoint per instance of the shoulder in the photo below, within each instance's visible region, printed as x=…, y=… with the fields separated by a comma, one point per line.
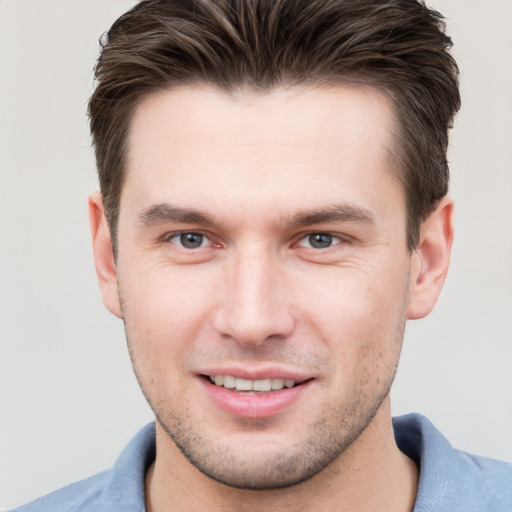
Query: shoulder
x=452, y=480
x=120, y=488
x=82, y=495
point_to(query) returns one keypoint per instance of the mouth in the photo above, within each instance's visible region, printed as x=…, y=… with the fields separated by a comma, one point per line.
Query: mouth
x=255, y=393
x=252, y=386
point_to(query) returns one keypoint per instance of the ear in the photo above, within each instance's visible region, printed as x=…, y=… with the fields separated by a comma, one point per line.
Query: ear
x=103, y=255
x=431, y=260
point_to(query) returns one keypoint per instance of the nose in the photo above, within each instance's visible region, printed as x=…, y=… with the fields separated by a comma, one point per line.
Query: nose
x=254, y=305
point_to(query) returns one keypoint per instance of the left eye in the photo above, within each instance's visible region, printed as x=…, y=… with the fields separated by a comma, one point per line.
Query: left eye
x=189, y=240
x=319, y=240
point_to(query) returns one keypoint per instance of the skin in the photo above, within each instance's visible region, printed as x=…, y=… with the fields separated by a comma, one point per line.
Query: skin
x=262, y=172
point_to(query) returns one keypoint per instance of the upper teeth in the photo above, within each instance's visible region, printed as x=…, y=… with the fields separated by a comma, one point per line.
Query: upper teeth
x=251, y=385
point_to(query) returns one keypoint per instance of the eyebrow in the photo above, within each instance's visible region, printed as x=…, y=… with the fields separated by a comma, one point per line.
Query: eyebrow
x=164, y=212
x=335, y=213
x=161, y=213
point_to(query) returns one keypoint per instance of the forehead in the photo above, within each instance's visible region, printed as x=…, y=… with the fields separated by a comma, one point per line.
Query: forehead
x=293, y=144
x=319, y=115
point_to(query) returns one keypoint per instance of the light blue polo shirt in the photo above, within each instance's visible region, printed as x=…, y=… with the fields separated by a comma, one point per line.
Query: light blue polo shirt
x=450, y=480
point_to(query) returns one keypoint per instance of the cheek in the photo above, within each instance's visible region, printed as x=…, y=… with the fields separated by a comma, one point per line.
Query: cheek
x=357, y=313
x=164, y=312
x=168, y=295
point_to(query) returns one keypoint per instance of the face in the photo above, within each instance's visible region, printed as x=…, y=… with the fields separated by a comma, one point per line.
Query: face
x=263, y=274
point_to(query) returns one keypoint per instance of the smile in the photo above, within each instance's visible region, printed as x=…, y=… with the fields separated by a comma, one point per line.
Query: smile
x=254, y=398
x=261, y=385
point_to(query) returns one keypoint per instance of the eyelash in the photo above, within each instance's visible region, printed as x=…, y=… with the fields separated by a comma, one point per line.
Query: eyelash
x=169, y=237
x=334, y=239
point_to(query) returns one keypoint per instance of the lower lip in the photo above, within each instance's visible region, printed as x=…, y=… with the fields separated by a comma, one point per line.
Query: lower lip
x=253, y=405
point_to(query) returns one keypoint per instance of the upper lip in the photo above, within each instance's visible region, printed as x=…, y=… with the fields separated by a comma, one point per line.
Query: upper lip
x=257, y=373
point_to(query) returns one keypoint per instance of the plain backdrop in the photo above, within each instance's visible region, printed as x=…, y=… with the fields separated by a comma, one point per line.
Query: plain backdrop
x=69, y=401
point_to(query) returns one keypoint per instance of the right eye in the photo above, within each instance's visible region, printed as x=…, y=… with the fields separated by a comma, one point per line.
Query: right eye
x=189, y=240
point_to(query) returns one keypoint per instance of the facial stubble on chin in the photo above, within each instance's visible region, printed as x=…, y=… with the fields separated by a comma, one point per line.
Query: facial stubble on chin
x=287, y=466
x=327, y=439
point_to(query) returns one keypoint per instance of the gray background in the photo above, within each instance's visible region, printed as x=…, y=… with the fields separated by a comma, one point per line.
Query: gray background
x=69, y=402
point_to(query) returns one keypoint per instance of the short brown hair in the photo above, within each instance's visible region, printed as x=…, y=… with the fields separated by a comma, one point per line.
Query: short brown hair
x=399, y=46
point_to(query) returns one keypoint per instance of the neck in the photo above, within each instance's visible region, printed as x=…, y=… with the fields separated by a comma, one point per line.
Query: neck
x=372, y=474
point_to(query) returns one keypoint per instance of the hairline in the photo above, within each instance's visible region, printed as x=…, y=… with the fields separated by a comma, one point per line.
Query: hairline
x=394, y=152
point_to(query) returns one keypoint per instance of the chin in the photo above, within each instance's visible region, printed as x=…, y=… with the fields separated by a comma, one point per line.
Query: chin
x=262, y=465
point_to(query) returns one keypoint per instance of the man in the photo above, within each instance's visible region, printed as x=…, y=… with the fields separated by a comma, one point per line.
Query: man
x=273, y=209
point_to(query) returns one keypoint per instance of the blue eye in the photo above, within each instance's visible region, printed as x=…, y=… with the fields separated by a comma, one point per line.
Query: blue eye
x=319, y=241
x=189, y=240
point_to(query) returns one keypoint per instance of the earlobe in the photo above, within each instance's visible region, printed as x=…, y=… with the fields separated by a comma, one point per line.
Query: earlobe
x=103, y=255
x=431, y=260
